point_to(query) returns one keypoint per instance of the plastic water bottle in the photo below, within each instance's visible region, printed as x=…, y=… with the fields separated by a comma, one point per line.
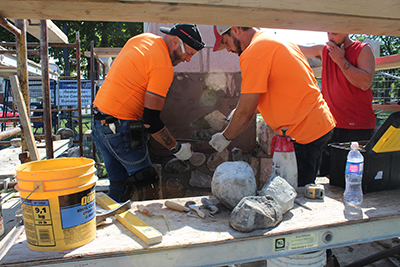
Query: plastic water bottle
x=353, y=174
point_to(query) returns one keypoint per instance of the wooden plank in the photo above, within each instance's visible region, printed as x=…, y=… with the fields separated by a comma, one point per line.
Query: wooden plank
x=199, y=242
x=381, y=63
x=387, y=62
x=394, y=107
x=54, y=33
x=142, y=230
x=105, y=51
x=8, y=67
x=376, y=18
x=387, y=8
x=24, y=118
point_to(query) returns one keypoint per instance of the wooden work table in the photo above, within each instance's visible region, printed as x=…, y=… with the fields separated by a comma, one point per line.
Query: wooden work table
x=193, y=241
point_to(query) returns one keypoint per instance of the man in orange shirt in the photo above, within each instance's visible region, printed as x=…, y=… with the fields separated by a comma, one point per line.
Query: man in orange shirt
x=128, y=106
x=278, y=81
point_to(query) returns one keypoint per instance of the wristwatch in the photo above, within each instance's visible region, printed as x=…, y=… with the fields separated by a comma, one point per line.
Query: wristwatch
x=176, y=148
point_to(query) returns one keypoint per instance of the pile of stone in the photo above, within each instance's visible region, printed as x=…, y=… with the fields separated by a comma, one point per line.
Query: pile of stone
x=234, y=185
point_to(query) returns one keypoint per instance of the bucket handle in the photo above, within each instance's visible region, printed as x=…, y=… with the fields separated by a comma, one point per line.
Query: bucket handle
x=18, y=213
x=23, y=199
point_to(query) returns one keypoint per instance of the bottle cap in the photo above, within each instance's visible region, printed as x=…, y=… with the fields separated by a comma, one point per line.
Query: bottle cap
x=354, y=145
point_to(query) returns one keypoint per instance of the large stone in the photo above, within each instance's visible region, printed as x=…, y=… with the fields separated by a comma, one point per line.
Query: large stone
x=233, y=181
x=200, y=179
x=174, y=188
x=265, y=135
x=216, y=159
x=255, y=165
x=65, y=133
x=281, y=191
x=214, y=119
x=176, y=166
x=265, y=170
x=237, y=154
x=256, y=212
x=197, y=159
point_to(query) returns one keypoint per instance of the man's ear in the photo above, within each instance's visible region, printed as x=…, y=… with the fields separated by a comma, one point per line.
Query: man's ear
x=235, y=30
x=175, y=42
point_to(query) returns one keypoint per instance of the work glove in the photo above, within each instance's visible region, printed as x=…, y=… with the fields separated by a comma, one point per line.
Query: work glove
x=182, y=151
x=219, y=142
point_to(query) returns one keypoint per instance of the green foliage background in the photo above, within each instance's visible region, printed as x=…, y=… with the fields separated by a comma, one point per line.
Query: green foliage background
x=103, y=33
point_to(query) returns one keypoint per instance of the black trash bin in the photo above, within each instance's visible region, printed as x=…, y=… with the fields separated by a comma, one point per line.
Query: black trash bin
x=381, y=158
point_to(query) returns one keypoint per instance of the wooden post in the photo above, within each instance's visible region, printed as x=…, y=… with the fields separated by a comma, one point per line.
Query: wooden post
x=24, y=118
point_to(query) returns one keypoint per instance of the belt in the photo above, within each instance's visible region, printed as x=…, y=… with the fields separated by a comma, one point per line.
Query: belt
x=99, y=115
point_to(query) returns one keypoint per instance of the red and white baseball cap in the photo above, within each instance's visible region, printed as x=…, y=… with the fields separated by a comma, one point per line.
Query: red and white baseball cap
x=218, y=32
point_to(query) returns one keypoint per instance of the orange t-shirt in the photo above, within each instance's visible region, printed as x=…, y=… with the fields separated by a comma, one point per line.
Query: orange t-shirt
x=290, y=96
x=142, y=65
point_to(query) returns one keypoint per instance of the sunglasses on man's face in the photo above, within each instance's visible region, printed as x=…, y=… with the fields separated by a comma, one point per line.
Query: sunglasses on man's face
x=182, y=46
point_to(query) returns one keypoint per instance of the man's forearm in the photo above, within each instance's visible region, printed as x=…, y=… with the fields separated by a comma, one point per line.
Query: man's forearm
x=237, y=126
x=165, y=138
x=357, y=77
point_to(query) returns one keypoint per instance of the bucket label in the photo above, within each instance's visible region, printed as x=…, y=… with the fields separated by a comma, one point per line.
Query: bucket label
x=38, y=222
x=78, y=208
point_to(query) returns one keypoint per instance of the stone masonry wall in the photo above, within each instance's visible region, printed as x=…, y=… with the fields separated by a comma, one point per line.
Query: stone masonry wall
x=210, y=81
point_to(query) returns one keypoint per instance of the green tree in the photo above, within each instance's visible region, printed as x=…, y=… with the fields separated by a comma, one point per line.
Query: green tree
x=390, y=45
x=104, y=34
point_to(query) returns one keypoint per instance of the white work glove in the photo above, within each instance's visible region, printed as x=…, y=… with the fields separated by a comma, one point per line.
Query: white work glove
x=219, y=142
x=183, y=151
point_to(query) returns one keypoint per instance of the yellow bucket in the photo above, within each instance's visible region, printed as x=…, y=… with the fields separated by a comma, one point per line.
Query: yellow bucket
x=58, y=203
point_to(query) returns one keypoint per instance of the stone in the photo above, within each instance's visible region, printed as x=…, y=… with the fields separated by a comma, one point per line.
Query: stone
x=174, y=188
x=265, y=170
x=281, y=191
x=204, y=134
x=214, y=119
x=255, y=165
x=256, y=212
x=233, y=181
x=197, y=159
x=158, y=168
x=200, y=179
x=265, y=135
x=216, y=159
x=73, y=152
x=65, y=133
x=16, y=142
x=237, y=154
x=176, y=165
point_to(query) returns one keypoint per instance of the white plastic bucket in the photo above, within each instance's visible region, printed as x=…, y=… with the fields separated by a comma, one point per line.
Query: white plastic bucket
x=309, y=259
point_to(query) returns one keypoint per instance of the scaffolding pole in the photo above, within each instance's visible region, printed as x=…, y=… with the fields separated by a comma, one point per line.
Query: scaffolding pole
x=22, y=72
x=47, y=125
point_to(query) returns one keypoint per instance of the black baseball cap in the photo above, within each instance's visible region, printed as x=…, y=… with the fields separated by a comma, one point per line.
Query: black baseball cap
x=189, y=33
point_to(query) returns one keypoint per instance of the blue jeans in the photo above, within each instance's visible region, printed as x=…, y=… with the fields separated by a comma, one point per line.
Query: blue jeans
x=308, y=158
x=120, y=159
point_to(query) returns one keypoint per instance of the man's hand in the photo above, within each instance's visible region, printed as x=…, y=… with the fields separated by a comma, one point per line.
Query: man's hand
x=219, y=142
x=185, y=151
x=336, y=52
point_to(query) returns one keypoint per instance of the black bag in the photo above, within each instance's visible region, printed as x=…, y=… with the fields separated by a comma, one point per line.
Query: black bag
x=138, y=135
